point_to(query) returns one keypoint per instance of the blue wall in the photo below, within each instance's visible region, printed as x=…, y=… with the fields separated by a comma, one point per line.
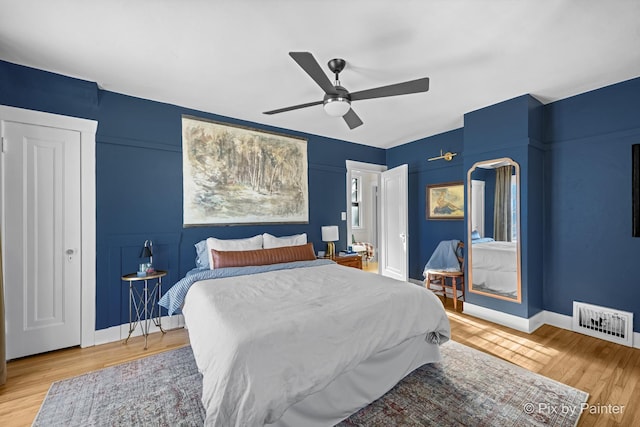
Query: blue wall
x=578, y=163
x=575, y=157
x=139, y=179
x=513, y=129
x=424, y=235
x=589, y=254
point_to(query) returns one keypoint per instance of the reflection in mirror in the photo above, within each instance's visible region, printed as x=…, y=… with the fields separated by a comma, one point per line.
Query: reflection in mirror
x=493, y=209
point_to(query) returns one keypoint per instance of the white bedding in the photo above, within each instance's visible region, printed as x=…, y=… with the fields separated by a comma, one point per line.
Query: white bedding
x=495, y=266
x=356, y=388
x=264, y=342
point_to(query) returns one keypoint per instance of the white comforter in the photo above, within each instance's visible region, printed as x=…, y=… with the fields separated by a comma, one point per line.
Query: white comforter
x=264, y=342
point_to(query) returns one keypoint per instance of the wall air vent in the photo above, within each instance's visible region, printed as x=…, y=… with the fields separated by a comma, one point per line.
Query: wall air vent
x=605, y=323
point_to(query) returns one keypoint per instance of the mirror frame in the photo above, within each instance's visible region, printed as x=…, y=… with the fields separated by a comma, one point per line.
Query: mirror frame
x=503, y=161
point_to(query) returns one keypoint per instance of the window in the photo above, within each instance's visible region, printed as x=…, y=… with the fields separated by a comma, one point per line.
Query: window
x=356, y=194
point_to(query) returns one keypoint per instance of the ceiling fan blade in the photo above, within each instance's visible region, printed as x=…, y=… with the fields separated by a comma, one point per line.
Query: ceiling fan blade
x=352, y=119
x=413, y=86
x=311, y=66
x=294, y=107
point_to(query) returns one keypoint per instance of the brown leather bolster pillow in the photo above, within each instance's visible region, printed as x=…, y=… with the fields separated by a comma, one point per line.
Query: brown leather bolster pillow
x=223, y=259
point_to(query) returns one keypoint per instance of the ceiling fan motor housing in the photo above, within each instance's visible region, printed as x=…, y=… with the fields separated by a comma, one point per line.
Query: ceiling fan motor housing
x=336, y=65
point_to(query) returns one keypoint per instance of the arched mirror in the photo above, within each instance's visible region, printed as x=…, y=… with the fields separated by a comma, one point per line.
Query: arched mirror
x=493, y=209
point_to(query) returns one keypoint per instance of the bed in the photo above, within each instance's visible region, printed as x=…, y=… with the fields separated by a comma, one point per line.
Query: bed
x=302, y=342
x=495, y=266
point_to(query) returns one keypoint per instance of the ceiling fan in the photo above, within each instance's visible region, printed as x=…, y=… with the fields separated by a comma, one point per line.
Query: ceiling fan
x=337, y=100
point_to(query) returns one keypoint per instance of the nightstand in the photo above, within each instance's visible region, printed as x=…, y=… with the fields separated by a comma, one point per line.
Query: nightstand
x=354, y=261
x=139, y=300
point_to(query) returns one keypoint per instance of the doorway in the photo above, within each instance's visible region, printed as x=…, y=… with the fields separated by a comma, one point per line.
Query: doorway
x=363, y=209
x=389, y=221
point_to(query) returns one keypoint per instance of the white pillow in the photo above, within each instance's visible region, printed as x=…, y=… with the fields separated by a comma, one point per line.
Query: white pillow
x=270, y=241
x=247, y=244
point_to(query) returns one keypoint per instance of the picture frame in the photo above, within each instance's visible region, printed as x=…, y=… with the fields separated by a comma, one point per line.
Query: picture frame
x=236, y=175
x=445, y=201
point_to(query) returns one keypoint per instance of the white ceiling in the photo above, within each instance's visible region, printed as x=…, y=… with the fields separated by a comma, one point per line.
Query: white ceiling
x=231, y=57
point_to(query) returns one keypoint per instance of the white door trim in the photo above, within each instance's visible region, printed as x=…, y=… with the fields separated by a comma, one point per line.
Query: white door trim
x=87, y=129
x=371, y=168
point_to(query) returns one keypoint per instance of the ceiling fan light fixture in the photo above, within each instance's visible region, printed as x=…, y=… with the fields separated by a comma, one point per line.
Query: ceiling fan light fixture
x=337, y=107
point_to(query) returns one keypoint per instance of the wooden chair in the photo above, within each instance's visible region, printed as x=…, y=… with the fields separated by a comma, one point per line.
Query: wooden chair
x=364, y=249
x=448, y=283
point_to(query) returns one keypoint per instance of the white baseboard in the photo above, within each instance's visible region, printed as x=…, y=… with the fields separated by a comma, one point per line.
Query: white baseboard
x=529, y=325
x=120, y=332
x=514, y=322
x=558, y=320
x=564, y=321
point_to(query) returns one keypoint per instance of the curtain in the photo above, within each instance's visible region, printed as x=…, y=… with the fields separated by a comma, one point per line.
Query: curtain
x=502, y=205
x=3, y=359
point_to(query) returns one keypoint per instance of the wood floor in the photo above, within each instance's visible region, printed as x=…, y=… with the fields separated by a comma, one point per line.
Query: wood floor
x=609, y=372
x=29, y=378
x=370, y=266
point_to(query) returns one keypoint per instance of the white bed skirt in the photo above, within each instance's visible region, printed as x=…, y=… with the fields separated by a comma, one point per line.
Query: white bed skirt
x=362, y=385
x=497, y=281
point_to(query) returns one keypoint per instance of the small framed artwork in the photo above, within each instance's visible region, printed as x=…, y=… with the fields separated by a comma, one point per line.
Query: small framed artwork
x=445, y=201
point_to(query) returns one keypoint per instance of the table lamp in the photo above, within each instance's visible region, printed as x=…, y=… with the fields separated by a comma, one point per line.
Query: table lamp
x=146, y=253
x=330, y=235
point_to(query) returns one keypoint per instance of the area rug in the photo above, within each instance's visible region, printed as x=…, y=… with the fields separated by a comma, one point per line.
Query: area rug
x=469, y=388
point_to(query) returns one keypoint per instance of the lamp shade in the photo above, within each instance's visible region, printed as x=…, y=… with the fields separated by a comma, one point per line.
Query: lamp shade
x=146, y=250
x=330, y=233
x=337, y=107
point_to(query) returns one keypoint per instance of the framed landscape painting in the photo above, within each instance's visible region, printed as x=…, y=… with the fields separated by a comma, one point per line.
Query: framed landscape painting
x=445, y=201
x=238, y=175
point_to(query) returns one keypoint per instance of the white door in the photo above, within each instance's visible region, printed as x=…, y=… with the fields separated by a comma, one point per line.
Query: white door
x=42, y=238
x=394, y=239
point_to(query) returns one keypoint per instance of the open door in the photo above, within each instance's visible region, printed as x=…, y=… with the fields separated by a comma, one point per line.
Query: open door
x=394, y=259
